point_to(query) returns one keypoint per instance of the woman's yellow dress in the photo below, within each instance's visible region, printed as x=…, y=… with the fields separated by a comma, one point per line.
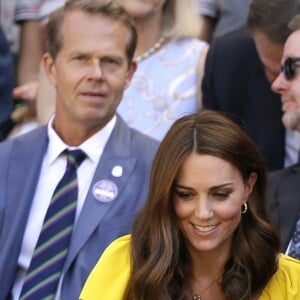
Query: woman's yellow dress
x=109, y=278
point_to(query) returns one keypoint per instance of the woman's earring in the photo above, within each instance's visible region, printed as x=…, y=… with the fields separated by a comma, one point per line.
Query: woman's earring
x=244, y=208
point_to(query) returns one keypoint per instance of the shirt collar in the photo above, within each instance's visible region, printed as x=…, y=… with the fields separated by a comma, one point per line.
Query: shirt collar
x=93, y=146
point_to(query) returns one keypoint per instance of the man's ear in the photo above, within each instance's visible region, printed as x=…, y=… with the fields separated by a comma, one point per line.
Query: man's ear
x=131, y=69
x=49, y=67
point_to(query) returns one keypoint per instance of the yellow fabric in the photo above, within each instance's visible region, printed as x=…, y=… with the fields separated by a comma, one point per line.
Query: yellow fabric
x=285, y=283
x=109, y=278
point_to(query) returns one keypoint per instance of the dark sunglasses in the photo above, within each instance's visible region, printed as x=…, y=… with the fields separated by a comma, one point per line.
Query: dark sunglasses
x=289, y=67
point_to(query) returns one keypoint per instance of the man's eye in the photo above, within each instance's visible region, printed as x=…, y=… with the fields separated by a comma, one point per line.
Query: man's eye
x=81, y=57
x=111, y=61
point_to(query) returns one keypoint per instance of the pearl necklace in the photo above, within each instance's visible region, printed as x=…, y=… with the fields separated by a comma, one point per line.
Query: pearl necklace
x=153, y=49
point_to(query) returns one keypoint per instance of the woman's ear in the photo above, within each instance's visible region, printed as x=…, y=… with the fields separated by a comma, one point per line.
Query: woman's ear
x=249, y=184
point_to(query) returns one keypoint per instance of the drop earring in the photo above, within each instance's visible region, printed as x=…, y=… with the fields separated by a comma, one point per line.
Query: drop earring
x=244, y=208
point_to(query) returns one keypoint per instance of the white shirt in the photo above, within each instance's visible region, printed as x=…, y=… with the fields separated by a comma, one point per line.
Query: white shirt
x=52, y=170
x=292, y=147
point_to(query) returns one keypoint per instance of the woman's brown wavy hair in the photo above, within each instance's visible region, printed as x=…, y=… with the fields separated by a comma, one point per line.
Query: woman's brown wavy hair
x=158, y=250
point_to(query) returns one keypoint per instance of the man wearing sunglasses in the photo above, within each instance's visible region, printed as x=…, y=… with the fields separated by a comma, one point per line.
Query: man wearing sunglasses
x=268, y=23
x=284, y=187
x=237, y=79
x=287, y=83
x=239, y=70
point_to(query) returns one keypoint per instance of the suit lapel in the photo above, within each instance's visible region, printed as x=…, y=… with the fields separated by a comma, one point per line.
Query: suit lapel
x=288, y=208
x=116, y=153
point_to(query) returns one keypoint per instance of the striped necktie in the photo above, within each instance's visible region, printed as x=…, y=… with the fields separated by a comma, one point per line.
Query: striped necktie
x=44, y=272
x=294, y=250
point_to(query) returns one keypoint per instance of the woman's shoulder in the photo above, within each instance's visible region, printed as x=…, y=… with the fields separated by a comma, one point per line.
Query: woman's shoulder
x=285, y=283
x=289, y=269
x=288, y=261
x=121, y=244
x=110, y=275
x=117, y=253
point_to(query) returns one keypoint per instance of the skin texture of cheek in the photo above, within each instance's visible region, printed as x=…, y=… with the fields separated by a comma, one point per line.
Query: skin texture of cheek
x=232, y=210
x=182, y=209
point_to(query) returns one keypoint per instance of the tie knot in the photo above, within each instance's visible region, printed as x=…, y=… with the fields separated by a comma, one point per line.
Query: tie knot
x=75, y=158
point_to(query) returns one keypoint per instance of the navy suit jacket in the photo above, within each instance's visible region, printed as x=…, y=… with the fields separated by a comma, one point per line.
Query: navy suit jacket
x=234, y=81
x=284, y=199
x=99, y=223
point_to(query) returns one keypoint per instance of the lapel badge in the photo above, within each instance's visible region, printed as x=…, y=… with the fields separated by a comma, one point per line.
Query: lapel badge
x=117, y=171
x=105, y=190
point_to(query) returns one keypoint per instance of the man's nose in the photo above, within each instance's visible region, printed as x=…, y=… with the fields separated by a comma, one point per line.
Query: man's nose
x=279, y=84
x=96, y=70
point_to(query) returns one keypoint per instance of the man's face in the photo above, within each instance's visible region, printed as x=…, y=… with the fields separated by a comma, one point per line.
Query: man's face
x=90, y=72
x=269, y=53
x=289, y=89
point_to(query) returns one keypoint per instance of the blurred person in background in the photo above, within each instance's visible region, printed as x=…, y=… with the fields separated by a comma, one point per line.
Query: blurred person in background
x=6, y=86
x=170, y=60
x=239, y=70
x=284, y=185
x=221, y=17
x=33, y=91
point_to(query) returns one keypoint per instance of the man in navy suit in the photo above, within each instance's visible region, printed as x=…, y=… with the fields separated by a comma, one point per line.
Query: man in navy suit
x=91, y=46
x=239, y=69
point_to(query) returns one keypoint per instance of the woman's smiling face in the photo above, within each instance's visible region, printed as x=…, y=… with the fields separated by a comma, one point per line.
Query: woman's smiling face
x=208, y=196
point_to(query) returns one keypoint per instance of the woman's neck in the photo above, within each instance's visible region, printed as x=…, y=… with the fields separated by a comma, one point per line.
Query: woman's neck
x=208, y=264
x=204, y=274
x=149, y=32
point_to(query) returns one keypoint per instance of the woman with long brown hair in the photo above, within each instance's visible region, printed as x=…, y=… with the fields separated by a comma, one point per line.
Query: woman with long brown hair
x=205, y=231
